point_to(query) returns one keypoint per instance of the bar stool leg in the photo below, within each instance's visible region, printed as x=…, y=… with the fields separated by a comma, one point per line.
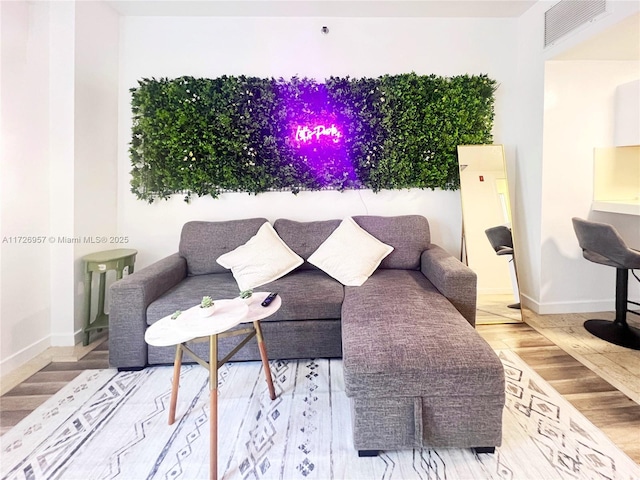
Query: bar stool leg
x=175, y=384
x=622, y=294
x=213, y=398
x=265, y=359
x=618, y=332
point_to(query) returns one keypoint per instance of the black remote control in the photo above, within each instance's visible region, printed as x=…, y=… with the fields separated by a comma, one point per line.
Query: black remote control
x=267, y=301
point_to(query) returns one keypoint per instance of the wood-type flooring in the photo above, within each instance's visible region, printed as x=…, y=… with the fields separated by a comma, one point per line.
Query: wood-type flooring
x=581, y=368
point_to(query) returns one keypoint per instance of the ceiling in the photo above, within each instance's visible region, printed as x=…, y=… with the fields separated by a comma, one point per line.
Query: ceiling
x=619, y=42
x=323, y=8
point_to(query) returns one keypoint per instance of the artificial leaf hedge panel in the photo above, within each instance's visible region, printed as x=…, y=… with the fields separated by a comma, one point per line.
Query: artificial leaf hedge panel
x=236, y=133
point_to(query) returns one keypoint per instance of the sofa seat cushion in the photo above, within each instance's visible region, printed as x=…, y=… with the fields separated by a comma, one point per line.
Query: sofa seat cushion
x=189, y=292
x=306, y=295
x=401, y=337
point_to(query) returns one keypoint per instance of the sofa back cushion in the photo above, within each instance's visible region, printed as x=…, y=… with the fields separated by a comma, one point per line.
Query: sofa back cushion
x=201, y=243
x=304, y=238
x=409, y=236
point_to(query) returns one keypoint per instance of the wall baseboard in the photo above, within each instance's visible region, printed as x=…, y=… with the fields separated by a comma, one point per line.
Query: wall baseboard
x=66, y=340
x=567, y=307
x=25, y=363
x=24, y=356
x=37, y=349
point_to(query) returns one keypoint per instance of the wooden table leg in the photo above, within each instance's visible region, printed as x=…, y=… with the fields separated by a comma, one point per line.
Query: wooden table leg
x=213, y=418
x=265, y=359
x=101, y=293
x=88, y=276
x=177, y=365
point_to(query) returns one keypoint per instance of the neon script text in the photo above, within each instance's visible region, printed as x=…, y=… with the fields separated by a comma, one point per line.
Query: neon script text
x=306, y=134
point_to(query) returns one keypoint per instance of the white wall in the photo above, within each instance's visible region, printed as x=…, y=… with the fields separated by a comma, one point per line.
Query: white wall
x=582, y=90
x=539, y=171
x=527, y=159
x=96, y=137
x=58, y=108
x=83, y=52
x=283, y=47
x=24, y=184
x=61, y=48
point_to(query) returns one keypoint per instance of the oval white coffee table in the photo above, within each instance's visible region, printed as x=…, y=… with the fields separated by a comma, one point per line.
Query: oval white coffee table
x=190, y=326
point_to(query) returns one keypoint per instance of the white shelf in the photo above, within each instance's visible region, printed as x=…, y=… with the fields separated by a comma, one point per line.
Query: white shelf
x=628, y=207
x=616, y=182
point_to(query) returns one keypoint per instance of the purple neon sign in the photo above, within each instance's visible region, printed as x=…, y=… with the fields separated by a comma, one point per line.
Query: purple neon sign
x=318, y=138
x=306, y=134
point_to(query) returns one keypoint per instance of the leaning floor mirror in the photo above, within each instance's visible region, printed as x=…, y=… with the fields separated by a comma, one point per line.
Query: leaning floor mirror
x=487, y=236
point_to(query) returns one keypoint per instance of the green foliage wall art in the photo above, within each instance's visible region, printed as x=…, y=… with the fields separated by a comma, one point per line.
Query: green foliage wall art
x=197, y=136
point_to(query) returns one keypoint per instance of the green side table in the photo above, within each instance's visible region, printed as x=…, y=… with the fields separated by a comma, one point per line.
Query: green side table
x=102, y=262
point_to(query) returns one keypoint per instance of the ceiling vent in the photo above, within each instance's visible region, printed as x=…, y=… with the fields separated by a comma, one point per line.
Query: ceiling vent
x=567, y=15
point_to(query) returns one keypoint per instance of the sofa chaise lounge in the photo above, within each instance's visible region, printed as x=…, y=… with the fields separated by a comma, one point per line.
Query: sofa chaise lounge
x=417, y=372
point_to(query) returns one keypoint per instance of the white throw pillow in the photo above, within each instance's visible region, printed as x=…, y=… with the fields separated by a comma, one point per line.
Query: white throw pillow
x=263, y=259
x=350, y=254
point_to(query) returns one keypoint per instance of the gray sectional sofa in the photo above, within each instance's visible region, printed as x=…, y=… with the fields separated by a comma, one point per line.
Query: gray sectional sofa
x=417, y=372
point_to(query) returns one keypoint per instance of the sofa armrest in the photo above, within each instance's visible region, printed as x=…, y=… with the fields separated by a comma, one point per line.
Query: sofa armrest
x=453, y=279
x=130, y=298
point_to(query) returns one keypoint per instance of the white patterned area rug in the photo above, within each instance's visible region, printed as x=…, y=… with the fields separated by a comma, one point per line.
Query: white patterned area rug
x=106, y=424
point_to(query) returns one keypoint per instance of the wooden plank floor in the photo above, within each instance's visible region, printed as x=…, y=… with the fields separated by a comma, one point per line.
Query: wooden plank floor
x=615, y=413
x=21, y=400
x=604, y=405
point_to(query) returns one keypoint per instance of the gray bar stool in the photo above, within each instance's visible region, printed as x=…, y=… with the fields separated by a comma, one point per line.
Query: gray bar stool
x=501, y=241
x=601, y=243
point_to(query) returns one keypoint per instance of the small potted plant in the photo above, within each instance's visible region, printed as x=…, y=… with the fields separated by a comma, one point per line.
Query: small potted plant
x=207, y=306
x=246, y=296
